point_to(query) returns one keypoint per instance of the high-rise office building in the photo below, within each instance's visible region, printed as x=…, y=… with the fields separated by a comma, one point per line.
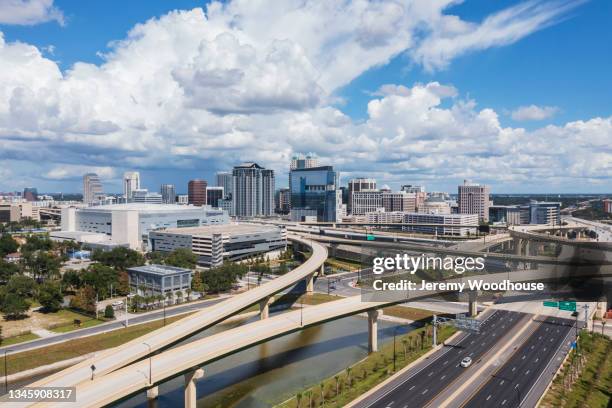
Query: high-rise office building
x=358, y=184
x=253, y=190
x=607, y=206
x=409, y=188
x=224, y=179
x=283, y=201
x=168, y=192
x=544, y=212
x=196, y=190
x=474, y=199
x=30, y=193
x=304, y=161
x=213, y=195
x=92, y=188
x=131, y=182
x=315, y=193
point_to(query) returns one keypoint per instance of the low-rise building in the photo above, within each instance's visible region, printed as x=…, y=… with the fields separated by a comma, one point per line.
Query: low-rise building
x=151, y=280
x=465, y=223
x=130, y=224
x=215, y=243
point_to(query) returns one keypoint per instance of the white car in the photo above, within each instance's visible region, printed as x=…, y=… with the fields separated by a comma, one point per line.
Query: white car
x=466, y=362
x=118, y=303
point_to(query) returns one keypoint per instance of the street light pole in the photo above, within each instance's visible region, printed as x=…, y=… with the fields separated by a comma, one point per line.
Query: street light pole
x=6, y=372
x=164, y=302
x=150, y=369
x=301, y=312
x=394, y=333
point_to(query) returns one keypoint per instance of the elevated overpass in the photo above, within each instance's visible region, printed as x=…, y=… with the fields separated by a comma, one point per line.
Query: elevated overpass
x=172, y=334
x=187, y=359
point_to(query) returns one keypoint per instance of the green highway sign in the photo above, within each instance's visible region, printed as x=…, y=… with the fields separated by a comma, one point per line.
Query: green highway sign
x=548, y=303
x=567, y=305
x=371, y=237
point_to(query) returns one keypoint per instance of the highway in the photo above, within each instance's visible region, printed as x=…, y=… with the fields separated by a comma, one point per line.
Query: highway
x=416, y=387
x=162, y=338
x=124, y=382
x=516, y=382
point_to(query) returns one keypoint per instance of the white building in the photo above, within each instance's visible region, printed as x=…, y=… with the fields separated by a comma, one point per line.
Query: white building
x=130, y=224
x=144, y=196
x=215, y=243
x=131, y=182
x=92, y=188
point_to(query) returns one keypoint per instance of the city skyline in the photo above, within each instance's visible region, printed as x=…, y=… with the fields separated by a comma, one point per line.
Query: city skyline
x=515, y=96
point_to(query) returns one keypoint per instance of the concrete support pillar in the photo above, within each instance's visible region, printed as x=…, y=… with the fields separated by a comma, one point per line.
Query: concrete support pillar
x=473, y=304
x=310, y=284
x=264, y=307
x=190, y=387
x=373, y=316
x=153, y=393
x=518, y=243
x=322, y=270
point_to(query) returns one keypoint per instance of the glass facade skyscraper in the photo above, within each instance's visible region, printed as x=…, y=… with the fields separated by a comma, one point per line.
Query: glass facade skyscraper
x=315, y=192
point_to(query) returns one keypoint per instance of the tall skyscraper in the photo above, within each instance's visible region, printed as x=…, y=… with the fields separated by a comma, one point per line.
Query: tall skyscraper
x=131, y=182
x=30, y=193
x=315, y=193
x=213, y=195
x=474, y=199
x=224, y=179
x=253, y=190
x=196, y=191
x=359, y=184
x=168, y=192
x=92, y=188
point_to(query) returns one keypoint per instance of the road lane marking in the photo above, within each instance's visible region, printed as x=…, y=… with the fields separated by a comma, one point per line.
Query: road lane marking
x=411, y=388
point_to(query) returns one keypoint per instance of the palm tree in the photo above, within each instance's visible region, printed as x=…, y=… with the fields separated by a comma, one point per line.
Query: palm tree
x=169, y=296
x=348, y=376
x=188, y=294
x=404, y=343
x=322, y=386
x=310, y=398
x=337, y=378
x=298, y=397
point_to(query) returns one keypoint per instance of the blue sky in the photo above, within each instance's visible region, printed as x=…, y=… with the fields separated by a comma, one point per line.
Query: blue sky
x=558, y=71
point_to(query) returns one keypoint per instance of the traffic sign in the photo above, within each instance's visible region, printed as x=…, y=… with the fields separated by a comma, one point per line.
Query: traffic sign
x=371, y=237
x=549, y=303
x=567, y=305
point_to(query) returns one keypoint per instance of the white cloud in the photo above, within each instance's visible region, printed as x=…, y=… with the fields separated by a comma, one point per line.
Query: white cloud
x=451, y=37
x=75, y=172
x=203, y=90
x=29, y=12
x=534, y=112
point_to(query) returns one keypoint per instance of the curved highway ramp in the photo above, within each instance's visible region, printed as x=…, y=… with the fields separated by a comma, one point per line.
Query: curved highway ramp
x=160, y=339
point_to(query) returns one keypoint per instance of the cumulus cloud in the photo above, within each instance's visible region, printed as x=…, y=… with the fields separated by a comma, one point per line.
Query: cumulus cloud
x=75, y=172
x=29, y=12
x=534, y=112
x=204, y=89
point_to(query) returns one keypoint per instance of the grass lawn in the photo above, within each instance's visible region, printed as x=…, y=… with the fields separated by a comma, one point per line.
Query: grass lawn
x=78, y=347
x=342, y=264
x=353, y=381
x=68, y=316
x=18, y=339
x=593, y=389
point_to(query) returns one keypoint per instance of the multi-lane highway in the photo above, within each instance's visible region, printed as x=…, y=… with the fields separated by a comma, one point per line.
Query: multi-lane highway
x=516, y=382
x=416, y=387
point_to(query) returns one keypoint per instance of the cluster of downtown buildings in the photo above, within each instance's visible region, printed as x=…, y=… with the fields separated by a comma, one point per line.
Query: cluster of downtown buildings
x=223, y=222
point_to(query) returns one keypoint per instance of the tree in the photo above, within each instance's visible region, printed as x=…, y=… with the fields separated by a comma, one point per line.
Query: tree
x=123, y=286
x=196, y=282
x=7, y=270
x=21, y=286
x=120, y=258
x=50, y=297
x=337, y=378
x=44, y=264
x=37, y=243
x=348, y=376
x=283, y=269
x=13, y=306
x=85, y=300
x=182, y=258
x=109, y=312
x=7, y=245
x=100, y=277
x=71, y=279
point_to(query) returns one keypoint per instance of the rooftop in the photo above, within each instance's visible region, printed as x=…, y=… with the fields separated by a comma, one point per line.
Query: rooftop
x=227, y=229
x=159, y=269
x=148, y=207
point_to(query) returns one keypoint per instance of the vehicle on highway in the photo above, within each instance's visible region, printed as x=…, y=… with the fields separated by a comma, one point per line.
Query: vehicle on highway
x=466, y=362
